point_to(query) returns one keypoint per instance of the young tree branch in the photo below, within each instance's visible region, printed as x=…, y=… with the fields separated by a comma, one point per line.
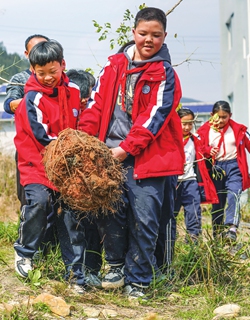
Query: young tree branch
x=176, y=5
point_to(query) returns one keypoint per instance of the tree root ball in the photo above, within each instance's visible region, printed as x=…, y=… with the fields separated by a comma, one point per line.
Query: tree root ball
x=83, y=170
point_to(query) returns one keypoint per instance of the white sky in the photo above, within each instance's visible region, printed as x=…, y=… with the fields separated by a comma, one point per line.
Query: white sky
x=196, y=23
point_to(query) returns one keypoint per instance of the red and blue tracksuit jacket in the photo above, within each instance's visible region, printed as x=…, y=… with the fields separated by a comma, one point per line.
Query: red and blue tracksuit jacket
x=207, y=188
x=155, y=138
x=242, y=144
x=41, y=115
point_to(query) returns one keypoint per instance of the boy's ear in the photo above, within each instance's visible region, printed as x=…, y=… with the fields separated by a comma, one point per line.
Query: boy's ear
x=63, y=64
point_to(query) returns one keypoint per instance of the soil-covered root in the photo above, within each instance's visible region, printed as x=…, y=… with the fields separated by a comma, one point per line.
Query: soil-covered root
x=83, y=170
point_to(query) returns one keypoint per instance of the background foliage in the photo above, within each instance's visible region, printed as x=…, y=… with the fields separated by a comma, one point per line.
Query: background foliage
x=11, y=63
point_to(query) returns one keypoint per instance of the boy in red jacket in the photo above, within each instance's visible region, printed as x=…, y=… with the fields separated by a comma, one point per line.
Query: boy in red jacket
x=133, y=111
x=50, y=104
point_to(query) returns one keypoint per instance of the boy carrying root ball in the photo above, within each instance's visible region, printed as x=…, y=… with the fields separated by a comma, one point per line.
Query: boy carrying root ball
x=132, y=109
x=50, y=105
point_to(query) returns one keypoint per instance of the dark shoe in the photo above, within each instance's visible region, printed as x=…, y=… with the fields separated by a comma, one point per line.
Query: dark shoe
x=114, y=278
x=92, y=280
x=134, y=292
x=240, y=251
x=230, y=236
x=23, y=265
x=160, y=277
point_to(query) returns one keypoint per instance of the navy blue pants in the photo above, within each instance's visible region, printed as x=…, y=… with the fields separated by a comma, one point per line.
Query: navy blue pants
x=93, y=256
x=131, y=233
x=33, y=225
x=20, y=188
x=188, y=196
x=229, y=189
x=165, y=245
x=50, y=235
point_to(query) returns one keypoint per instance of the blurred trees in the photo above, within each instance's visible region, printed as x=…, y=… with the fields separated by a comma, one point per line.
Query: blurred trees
x=11, y=63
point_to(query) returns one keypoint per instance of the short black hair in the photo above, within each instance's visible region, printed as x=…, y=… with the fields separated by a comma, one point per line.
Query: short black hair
x=32, y=37
x=221, y=105
x=91, y=79
x=185, y=112
x=45, y=52
x=151, y=14
x=83, y=79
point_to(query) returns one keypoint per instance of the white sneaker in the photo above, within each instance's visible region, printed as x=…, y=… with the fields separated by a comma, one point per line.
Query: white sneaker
x=114, y=278
x=23, y=265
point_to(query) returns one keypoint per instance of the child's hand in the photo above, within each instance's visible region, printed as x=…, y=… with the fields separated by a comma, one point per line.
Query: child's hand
x=119, y=153
x=14, y=104
x=214, y=151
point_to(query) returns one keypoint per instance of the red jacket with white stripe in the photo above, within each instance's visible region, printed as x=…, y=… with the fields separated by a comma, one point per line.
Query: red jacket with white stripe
x=207, y=188
x=155, y=138
x=242, y=143
x=41, y=115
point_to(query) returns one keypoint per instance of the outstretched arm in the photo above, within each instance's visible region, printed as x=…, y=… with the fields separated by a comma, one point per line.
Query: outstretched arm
x=15, y=91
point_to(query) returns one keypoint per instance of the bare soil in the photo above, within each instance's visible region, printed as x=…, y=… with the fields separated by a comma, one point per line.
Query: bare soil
x=16, y=291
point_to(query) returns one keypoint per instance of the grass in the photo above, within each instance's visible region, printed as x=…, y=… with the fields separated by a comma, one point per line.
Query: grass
x=205, y=276
x=9, y=205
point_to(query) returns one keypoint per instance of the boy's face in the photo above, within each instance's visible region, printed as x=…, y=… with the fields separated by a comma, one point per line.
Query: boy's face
x=149, y=37
x=84, y=101
x=50, y=74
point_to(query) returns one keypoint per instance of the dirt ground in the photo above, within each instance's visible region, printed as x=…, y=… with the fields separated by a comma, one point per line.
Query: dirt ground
x=14, y=291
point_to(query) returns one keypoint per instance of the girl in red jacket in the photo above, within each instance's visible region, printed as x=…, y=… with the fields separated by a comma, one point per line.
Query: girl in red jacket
x=195, y=185
x=225, y=142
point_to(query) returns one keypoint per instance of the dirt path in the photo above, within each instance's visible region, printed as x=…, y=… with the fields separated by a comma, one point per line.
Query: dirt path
x=18, y=292
x=95, y=304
